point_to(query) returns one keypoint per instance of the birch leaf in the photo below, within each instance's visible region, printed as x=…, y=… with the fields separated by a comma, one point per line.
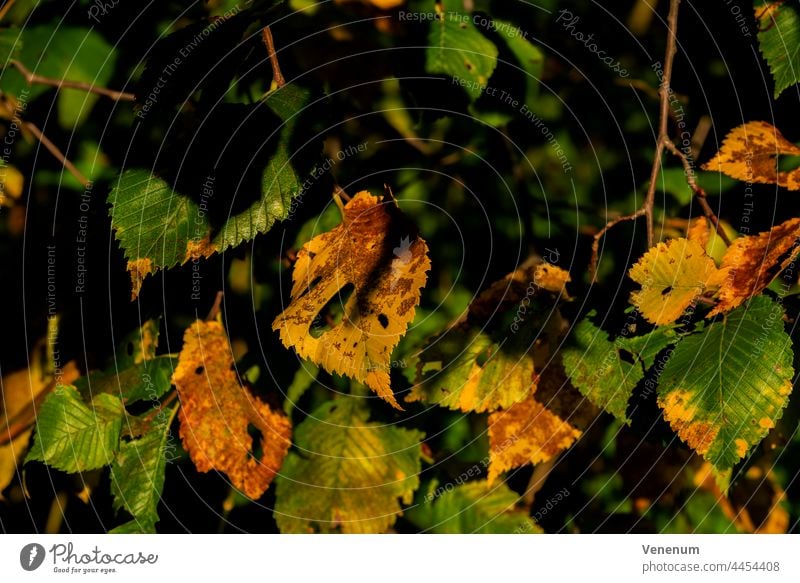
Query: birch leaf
x=376, y=256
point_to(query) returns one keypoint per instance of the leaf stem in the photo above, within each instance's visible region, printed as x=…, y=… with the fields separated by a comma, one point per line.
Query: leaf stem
x=277, y=76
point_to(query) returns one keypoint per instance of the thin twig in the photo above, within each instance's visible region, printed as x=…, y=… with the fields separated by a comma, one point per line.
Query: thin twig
x=6, y=7
x=691, y=180
x=32, y=78
x=663, y=135
x=599, y=235
x=45, y=141
x=664, y=89
x=538, y=478
x=277, y=76
x=56, y=152
x=214, y=311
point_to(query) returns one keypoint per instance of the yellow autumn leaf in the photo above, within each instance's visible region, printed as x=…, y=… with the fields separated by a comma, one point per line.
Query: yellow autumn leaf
x=673, y=274
x=751, y=263
x=749, y=152
x=551, y=278
x=377, y=256
x=217, y=413
x=526, y=433
x=11, y=183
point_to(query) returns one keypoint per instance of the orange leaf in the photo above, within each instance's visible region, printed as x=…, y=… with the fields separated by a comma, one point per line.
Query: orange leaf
x=749, y=153
x=526, y=433
x=217, y=413
x=376, y=253
x=753, y=262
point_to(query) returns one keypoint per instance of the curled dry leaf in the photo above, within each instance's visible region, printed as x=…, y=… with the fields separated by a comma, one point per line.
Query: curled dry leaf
x=749, y=152
x=217, y=413
x=751, y=263
x=526, y=433
x=673, y=274
x=376, y=253
x=551, y=278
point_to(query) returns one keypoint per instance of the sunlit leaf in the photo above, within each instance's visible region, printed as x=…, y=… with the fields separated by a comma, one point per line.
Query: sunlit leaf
x=73, y=436
x=376, y=254
x=222, y=425
x=750, y=153
x=673, y=275
x=471, y=508
x=725, y=387
x=347, y=474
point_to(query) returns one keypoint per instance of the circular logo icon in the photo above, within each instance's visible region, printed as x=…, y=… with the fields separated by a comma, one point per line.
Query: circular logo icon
x=31, y=556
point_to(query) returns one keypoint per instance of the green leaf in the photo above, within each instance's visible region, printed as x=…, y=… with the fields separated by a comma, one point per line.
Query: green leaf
x=73, y=436
x=280, y=182
x=302, y=381
x=597, y=370
x=779, y=41
x=529, y=57
x=471, y=508
x=140, y=345
x=137, y=475
x=647, y=346
x=153, y=223
x=457, y=49
x=347, y=474
x=63, y=52
x=467, y=370
x=148, y=380
x=159, y=228
x=10, y=46
x=724, y=388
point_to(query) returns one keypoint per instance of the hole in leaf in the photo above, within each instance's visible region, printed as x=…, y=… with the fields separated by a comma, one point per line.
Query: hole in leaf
x=383, y=320
x=257, y=437
x=332, y=313
x=199, y=370
x=666, y=290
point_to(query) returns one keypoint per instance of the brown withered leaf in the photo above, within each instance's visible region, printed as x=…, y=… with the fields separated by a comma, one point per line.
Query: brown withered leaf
x=526, y=433
x=376, y=253
x=749, y=152
x=217, y=413
x=751, y=263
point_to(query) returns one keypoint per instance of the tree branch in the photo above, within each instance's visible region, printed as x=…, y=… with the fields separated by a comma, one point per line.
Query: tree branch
x=32, y=78
x=56, y=152
x=664, y=91
x=277, y=76
x=691, y=180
